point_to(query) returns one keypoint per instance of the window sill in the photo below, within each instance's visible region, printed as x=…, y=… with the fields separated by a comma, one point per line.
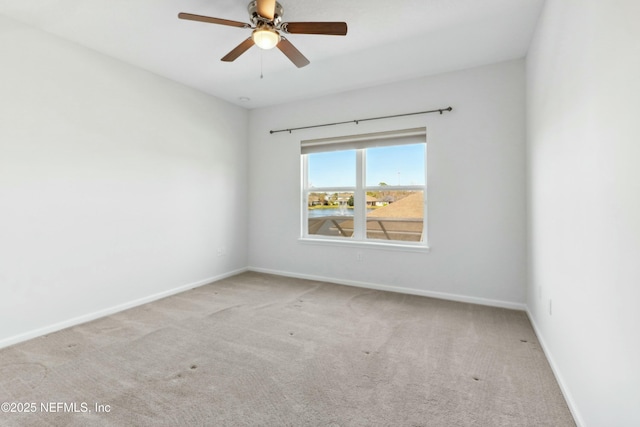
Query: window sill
x=421, y=248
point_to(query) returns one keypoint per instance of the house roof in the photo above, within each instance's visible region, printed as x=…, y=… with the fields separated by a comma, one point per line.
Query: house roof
x=411, y=206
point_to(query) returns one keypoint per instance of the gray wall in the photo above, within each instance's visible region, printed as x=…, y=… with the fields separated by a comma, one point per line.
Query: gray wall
x=476, y=184
x=116, y=186
x=584, y=203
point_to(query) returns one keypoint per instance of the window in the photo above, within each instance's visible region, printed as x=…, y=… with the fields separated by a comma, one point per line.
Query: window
x=365, y=188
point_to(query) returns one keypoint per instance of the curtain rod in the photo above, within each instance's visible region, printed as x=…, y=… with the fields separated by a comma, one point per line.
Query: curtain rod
x=440, y=110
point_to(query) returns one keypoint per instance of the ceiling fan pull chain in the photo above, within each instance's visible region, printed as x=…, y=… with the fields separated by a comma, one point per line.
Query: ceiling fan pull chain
x=261, y=76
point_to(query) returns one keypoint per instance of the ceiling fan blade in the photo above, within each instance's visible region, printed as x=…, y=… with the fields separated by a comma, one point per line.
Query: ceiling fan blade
x=266, y=8
x=238, y=50
x=212, y=20
x=292, y=53
x=326, y=28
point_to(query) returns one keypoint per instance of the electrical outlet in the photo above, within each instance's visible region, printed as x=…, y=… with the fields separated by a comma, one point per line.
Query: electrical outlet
x=550, y=307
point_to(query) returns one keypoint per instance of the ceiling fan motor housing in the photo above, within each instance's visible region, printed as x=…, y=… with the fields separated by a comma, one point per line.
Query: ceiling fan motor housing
x=256, y=18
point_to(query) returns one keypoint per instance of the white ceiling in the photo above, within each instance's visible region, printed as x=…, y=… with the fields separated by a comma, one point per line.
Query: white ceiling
x=386, y=41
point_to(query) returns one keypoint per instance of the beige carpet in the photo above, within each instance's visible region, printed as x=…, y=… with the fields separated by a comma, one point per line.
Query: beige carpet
x=261, y=350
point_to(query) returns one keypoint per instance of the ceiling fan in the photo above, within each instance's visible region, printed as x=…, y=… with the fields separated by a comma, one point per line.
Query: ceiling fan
x=268, y=30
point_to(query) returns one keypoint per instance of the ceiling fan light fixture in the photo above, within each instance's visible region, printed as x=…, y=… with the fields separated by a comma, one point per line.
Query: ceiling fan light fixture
x=265, y=38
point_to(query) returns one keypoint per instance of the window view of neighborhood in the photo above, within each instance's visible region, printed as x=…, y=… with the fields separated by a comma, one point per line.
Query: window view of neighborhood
x=393, y=208
x=391, y=215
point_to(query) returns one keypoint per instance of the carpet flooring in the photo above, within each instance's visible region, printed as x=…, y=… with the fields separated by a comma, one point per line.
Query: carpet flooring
x=263, y=350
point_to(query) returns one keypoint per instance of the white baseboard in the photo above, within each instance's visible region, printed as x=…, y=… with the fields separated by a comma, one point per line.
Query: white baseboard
x=112, y=310
x=556, y=372
x=402, y=290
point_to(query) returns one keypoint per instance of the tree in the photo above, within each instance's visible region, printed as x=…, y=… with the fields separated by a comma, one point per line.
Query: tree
x=384, y=195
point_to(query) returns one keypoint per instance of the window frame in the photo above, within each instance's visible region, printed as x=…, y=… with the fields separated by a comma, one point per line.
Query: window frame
x=360, y=143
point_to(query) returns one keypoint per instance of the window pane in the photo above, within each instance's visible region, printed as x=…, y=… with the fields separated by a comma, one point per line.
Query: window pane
x=396, y=165
x=330, y=214
x=332, y=169
x=397, y=215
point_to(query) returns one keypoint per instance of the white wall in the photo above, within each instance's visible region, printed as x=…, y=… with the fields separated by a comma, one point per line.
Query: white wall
x=115, y=185
x=584, y=203
x=476, y=183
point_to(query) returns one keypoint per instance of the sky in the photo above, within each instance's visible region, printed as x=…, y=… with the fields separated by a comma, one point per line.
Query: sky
x=393, y=165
